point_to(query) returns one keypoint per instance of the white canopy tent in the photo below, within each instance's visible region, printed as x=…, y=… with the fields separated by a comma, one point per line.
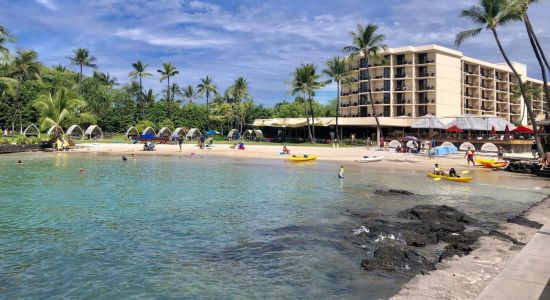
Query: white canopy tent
x=55, y=129
x=149, y=130
x=193, y=133
x=233, y=133
x=429, y=122
x=165, y=132
x=132, y=132
x=480, y=123
x=31, y=130
x=75, y=132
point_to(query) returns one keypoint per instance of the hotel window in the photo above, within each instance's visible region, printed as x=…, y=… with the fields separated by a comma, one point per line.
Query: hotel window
x=423, y=58
x=363, y=63
x=386, y=85
x=363, y=111
x=387, y=73
x=386, y=98
x=364, y=87
x=386, y=111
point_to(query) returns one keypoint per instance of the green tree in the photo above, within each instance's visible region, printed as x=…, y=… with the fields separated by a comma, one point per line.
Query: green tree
x=5, y=37
x=82, y=58
x=206, y=87
x=522, y=6
x=61, y=109
x=306, y=82
x=166, y=73
x=490, y=14
x=105, y=78
x=190, y=94
x=25, y=66
x=139, y=73
x=368, y=42
x=337, y=71
x=239, y=92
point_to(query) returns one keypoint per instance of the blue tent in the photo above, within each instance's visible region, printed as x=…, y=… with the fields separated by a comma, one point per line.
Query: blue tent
x=212, y=132
x=148, y=136
x=444, y=150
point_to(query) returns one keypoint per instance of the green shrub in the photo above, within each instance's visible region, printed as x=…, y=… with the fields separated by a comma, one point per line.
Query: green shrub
x=141, y=125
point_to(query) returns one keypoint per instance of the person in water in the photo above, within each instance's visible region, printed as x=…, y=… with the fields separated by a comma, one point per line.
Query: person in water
x=452, y=173
x=124, y=158
x=341, y=174
x=470, y=156
x=19, y=162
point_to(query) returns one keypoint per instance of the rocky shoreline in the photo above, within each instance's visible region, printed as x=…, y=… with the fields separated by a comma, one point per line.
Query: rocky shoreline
x=396, y=245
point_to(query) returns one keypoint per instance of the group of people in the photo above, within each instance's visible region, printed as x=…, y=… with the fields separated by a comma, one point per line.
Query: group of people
x=439, y=171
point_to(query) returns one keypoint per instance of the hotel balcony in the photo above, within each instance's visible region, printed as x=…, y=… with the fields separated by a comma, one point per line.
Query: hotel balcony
x=471, y=82
x=425, y=58
x=403, y=89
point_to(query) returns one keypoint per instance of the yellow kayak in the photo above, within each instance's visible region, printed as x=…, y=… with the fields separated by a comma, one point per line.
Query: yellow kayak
x=302, y=158
x=483, y=161
x=457, y=179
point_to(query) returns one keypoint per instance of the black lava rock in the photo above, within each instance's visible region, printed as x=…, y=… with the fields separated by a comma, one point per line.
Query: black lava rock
x=393, y=259
x=435, y=214
x=524, y=222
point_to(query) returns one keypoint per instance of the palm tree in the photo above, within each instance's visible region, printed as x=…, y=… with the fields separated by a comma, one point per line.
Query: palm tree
x=149, y=97
x=490, y=14
x=337, y=71
x=25, y=66
x=175, y=90
x=60, y=68
x=190, y=93
x=82, y=58
x=239, y=92
x=306, y=81
x=206, y=87
x=139, y=72
x=368, y=42
x=105, y=78
x=61, y=109
x=168, y=71
x=522, y=6
x=5, y=37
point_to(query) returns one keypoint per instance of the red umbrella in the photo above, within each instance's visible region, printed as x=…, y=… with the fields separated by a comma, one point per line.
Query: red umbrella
x=493, y=130
x=506, y=130
x=454, y=128
x=523, y=129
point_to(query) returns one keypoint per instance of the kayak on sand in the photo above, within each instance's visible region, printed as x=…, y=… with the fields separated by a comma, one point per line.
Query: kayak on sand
x=457, y=179
x=371, y=158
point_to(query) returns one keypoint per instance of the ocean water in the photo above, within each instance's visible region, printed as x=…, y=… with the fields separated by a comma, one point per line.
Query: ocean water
x=210, y=228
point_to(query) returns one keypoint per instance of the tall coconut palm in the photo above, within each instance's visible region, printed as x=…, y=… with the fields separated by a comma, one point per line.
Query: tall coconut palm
x=175, y=90
x=239, y=92
x=205, y=88
x=488, y=15
x=105, y=78
x=523, y=6
x=167, y=72
x=82, y=58
x=62, y=109
x=337, y=71
x=306, y=81
x=25, y=66
x=190, y=93
x=60, y=68
x=368, y=42
x=149, y=98
x=139, y=72
x=5, y=37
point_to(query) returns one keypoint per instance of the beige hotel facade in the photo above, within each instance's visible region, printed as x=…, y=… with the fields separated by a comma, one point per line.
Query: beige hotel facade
x=411, y=82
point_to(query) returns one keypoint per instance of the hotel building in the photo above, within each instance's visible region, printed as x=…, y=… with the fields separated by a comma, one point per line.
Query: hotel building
x=411, y=82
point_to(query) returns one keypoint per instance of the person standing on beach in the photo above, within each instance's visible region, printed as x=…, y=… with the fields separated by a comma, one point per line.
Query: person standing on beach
x=534, y=149
x=470, y=156
x=180, y=141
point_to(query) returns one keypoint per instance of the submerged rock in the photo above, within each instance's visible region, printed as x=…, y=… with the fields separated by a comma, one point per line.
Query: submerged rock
x=524, y=222
x=393, y=192
x=393, y=259
x=435, y=213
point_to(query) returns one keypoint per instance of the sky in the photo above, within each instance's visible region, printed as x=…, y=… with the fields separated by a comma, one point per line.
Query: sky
x=264, y=41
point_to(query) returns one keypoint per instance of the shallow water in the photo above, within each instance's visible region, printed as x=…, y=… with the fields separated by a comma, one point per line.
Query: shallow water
x=192, y=227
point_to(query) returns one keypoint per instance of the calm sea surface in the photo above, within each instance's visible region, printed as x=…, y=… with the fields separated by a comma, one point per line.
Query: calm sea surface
x=201, y=228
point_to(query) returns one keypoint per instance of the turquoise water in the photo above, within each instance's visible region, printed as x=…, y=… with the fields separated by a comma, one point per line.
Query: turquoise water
x=201, y=228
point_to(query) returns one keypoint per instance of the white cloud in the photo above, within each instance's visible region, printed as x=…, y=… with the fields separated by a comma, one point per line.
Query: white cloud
x=49, y=4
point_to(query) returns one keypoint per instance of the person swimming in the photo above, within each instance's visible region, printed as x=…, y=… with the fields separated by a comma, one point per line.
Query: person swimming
x=19, y=162
x=124, y=158
x=341, y=174
x=82, y=171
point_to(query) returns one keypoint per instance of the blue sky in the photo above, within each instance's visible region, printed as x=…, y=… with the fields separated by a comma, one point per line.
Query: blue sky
x=261, y=40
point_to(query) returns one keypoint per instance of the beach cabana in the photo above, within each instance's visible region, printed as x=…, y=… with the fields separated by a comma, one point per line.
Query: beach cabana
x=179, y=131
x=193, y=133
x=31, y=130
x=464, y=146
x=149, y=130
x=489, y=147
x=93, y=132
x=233, y=134
x=448, y=144
x=55, y=130
x=132, y=133
x=75, y=132
x=253, y=135
x=395, y=144
x=164, y=132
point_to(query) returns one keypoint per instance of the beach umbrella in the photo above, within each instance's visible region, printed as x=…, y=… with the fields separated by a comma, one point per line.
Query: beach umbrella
x=523, y=129
x=507, y=130
x=409, y=138
x=455, y=128
x=493, y=130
